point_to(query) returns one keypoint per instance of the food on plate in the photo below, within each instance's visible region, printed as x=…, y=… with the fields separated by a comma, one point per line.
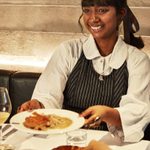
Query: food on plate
x=69, y=147
x=43, y=122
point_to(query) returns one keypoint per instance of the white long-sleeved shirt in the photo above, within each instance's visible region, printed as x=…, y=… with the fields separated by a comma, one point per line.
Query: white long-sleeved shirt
x=134, y=107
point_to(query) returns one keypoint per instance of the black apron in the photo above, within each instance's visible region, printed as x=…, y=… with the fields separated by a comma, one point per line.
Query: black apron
x=84, y=88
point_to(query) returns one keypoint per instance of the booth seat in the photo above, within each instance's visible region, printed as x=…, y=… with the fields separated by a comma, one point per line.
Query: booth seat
x=20, y=86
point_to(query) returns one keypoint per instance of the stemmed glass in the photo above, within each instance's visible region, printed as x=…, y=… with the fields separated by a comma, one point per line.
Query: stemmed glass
x=5, y=111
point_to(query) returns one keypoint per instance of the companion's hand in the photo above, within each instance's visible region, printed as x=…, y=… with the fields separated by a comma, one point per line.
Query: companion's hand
x=30, y=105
x=97, y=145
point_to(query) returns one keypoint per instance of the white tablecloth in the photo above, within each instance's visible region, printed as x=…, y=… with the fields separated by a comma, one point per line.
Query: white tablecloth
x=26, y=141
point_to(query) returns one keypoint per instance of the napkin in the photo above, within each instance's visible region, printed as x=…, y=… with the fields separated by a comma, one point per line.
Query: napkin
x=142, y=145
x=31, y=142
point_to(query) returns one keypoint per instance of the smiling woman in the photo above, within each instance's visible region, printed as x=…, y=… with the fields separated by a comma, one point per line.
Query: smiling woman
x=104, y=13
x=100, y=75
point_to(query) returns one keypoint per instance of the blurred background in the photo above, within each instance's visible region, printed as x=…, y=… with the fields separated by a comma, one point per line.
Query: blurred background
x=31, y=29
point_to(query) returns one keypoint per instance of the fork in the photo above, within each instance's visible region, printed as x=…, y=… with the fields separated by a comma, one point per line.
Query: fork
x=94, y=124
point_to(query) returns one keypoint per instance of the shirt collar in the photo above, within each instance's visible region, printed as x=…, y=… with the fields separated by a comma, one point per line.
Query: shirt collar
x=90, y=49
x=118, y=56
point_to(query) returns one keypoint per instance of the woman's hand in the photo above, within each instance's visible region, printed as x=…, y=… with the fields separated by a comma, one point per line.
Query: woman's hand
x=94, y=112
x=97, y=145
x=105, y=113
x=30, y=105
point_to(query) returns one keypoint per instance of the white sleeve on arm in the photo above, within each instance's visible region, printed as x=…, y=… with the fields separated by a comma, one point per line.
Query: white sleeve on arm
x=117, y=133
x=134, y=107
x=50, y=86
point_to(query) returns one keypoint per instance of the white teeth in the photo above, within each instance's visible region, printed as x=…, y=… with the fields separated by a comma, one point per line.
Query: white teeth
x=96, y=28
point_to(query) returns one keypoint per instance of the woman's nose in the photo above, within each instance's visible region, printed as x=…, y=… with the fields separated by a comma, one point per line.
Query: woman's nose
x=94, y=16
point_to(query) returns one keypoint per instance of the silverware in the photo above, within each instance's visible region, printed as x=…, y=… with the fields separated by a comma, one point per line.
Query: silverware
x=44, y=136
x=94, y=124
x=9, y=133
x=7, y=130
x=5, y=127
x=15, y=123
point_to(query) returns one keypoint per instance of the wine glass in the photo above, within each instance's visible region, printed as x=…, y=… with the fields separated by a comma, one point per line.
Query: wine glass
x=5, y=111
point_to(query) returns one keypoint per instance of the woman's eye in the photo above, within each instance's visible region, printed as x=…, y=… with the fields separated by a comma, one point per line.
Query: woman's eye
x=98, y=10
x=102, y=11
x=86, y=10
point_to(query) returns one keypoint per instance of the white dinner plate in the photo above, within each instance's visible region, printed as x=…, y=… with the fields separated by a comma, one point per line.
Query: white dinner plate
x=77, y=122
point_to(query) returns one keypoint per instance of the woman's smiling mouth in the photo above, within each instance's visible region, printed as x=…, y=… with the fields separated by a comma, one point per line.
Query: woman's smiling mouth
x=96, y=28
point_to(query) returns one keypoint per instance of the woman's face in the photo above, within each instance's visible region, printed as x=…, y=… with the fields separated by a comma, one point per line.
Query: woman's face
x=101, y=21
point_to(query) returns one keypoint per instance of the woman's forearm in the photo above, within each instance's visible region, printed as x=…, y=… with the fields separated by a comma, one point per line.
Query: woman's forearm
x=112, y=117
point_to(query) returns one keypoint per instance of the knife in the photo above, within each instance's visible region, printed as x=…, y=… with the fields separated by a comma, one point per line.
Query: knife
x=9, y=133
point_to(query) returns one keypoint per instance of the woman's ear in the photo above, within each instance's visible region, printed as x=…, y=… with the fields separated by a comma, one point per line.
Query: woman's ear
x=121, y=15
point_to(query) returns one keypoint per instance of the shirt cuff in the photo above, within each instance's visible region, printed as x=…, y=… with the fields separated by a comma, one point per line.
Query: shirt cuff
x=116, y=132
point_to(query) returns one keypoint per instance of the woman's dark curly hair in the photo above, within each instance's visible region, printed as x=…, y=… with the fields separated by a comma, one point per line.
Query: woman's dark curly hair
x=130, y=23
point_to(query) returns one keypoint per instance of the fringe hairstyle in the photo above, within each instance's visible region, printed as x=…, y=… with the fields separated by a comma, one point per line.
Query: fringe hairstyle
x=130, y=22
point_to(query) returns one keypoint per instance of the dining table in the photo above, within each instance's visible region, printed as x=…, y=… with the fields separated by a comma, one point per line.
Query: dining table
x=28, y=141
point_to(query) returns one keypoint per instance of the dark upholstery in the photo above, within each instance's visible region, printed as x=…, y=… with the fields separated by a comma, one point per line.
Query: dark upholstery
x=147, y=133
x=20, y=86
x=5, y=78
